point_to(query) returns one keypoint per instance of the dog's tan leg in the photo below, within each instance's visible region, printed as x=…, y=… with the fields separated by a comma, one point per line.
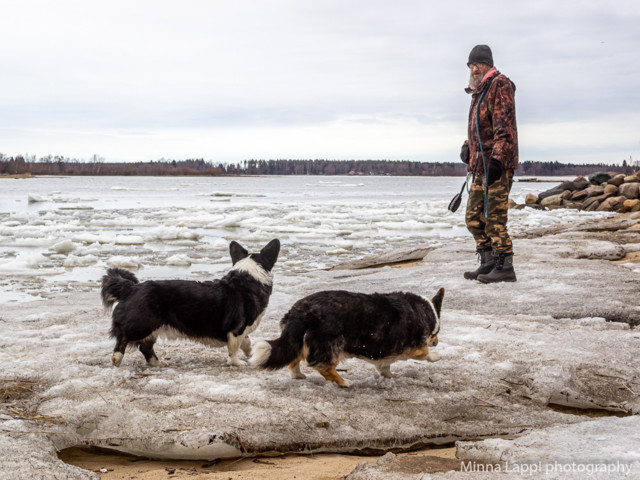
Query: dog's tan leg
x=118, y=351
x=246, y=347
x=233, y=345
x=330, y=374
x=384, y=369
x=420, y=353
x=294, y=369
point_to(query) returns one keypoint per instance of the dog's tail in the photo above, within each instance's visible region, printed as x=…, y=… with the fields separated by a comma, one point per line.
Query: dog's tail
x=116, y=285
x=278, y=353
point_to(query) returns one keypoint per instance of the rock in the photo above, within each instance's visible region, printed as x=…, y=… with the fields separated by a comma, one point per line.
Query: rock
x=511, y=203
x=630, y=190
x=530, y=199
x=603, y=197
x=599, y=177
x=566, y=195
x=550, y=193
x=572, y=205
x=579, y=195
x=594, y=190
x=632, y=179
x=611, y=204
x=581, y=183
x=569, y=185
x=397, y=257
x=590, y=204
x=552, y=201
x=610, y=189
x=617, y=180
x=632, y=205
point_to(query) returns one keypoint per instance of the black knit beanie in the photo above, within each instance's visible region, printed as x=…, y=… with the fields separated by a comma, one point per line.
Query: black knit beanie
x=481, y=54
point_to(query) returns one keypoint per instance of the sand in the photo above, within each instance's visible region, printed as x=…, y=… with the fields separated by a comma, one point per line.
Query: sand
x=299, y=467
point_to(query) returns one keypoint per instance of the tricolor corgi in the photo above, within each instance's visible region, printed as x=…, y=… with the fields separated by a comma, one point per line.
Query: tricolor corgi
x=327, y=326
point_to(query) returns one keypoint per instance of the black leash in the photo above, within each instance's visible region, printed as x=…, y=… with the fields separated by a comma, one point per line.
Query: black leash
x=455, y=201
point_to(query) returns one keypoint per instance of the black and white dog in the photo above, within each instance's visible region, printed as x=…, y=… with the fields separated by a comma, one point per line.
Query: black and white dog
x=327, y=326
x=215, y=312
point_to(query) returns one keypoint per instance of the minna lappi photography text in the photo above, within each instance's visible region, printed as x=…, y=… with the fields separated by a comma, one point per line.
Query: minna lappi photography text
x=614, y=469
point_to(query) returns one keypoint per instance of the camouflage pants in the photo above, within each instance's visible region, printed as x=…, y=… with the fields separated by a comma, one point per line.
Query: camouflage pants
x=490, y=233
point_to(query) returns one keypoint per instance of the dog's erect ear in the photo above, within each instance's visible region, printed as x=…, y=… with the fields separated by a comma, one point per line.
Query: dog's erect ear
x=237, y=252
x=437, y=300
x=269, y=254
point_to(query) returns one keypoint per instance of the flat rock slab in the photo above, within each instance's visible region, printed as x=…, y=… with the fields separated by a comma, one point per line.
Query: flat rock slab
x=396, y=257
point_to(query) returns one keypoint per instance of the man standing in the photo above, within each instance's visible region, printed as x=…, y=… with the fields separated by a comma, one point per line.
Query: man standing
x=491, y=152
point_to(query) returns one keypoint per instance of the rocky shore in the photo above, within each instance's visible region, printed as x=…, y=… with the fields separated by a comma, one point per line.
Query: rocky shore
x=601, y=192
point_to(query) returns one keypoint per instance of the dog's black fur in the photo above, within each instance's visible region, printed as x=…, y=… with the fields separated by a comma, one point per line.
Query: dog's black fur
x=215, y=312
x=327, y=326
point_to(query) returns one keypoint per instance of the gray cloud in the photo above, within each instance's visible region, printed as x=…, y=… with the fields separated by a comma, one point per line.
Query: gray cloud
x=83, y=77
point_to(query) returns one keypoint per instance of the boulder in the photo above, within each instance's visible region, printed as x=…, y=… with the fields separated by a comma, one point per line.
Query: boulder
x=530, y=199
x=611, y=204
x=550, y=192
x=571, y=204
x=590, y=204
x=632, y=179
x=594, y=190
x=610, y=189
x=552, y=201
x=603, y=197
x=632, y=205
x=566, y=195
x=617, y=180
x=579, y=195
x=568, y=185
x=599, y=177
x=580, y=183
x=630, y=190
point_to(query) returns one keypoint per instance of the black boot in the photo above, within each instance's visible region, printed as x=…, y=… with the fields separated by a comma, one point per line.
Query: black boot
x=502, y=272
x=487, y=262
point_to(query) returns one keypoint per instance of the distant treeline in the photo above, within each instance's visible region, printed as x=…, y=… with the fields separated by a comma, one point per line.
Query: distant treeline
x=65, y=166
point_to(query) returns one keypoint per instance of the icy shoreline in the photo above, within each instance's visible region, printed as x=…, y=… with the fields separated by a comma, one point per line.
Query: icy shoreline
x=508, y=352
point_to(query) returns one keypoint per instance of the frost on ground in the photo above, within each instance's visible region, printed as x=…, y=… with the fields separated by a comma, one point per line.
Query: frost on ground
x=512, y=355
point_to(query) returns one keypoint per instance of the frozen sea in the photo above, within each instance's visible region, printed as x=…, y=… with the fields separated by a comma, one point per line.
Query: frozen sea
x=61, y=231
x=509, y=352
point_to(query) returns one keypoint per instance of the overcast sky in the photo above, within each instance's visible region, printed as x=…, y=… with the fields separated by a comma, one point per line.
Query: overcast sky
x=228, y=80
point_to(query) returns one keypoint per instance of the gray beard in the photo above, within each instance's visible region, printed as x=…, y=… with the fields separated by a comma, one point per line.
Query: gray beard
x=473, y=83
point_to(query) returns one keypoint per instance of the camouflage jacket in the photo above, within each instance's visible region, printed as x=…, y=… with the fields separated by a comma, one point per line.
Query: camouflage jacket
x=497, y=122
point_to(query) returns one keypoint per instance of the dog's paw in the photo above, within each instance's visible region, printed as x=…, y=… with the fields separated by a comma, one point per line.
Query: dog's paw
x=236, y=362
x=116, y=358
x=346, y=383
x=385, y=371
x=297, y=375
x=433, y=357
x=154, y=362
